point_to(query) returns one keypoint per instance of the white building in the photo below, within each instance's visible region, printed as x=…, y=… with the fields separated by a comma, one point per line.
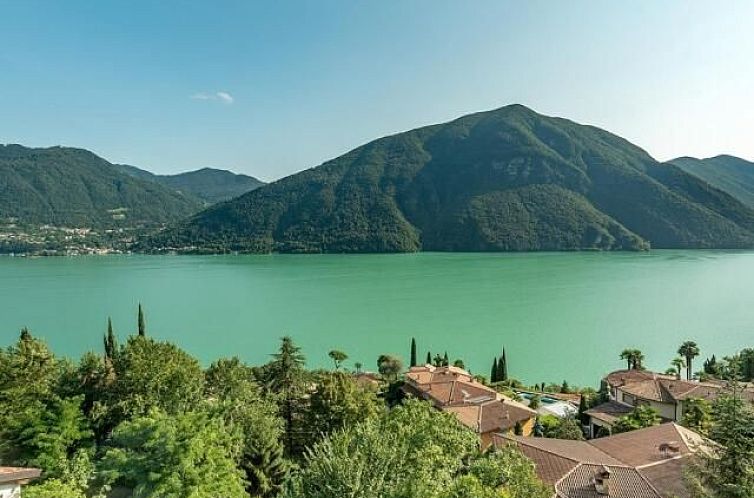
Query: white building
x=12, y=478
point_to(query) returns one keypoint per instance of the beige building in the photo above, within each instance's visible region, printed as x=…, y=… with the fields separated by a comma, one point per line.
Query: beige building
x=476, y=406
x=665, y=393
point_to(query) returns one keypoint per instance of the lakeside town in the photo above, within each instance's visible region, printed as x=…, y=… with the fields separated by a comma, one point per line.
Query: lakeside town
x=126, y=421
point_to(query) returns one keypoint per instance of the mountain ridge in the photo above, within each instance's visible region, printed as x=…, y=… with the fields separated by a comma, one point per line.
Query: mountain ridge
x=502, y=180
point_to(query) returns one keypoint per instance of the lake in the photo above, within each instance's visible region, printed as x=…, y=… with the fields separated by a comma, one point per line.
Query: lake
x=559, y=315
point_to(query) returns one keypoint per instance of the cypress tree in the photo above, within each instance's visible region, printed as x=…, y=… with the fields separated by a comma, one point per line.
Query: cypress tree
x=142, y=325
x=445, y=360
x=111, y=342
x=429, y=358
x=582, y=409
x=413, y=352
x=503, y=365
x=493, y=372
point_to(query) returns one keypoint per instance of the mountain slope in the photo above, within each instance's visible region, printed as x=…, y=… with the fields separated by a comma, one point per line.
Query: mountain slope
x=730, y=174
x=208, y=184
x=508, y=179
x=73, y=187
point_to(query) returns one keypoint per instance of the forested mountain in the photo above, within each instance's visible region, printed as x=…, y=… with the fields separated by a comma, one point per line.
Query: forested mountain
x=73, y=187
x=503, y=180
x=208, y=184
x=728, y=173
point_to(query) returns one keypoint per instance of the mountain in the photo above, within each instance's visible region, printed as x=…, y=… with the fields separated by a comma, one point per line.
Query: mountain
x=73, y=187
x=208, y=184
x=503, y=180
x=730, y=174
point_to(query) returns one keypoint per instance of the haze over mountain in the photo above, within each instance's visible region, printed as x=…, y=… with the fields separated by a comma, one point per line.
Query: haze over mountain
x=71, y=187
x=208, y=184
x=728, y=173
x=503, y=180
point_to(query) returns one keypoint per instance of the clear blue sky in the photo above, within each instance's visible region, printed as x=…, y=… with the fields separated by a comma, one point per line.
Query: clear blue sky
x=271, y=87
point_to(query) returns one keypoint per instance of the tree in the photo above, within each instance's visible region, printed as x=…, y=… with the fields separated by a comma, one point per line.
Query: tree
x=583, y=417
x=697, y=415
x=413, y=352
x=458, y=363
x=286, y=377
x=429, y=358
x=338, y=402
x=230, y=379
x=141, y=323
x=689, y=350
x=46, y=434
x=150, y=374
x=728, y=470
x=493, y=371
x=411, y=450
x=358, y=366
x=437, y=360
x=677, y=365
x=190, y=454
x=633, y=357
x=567, y=428
x=338, y=357
x=389, y=366
x=640, y=417
x=565, y=388
x=502, y=365
x=111, y=342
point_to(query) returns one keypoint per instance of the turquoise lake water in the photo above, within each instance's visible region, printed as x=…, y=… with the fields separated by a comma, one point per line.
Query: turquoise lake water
x=559, y=315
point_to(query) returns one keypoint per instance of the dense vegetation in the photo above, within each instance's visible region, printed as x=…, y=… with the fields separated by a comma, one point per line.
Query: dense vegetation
x=145, y=419
x=504, y=180
x=69, y=187
x=208, y=184
x=730, y=174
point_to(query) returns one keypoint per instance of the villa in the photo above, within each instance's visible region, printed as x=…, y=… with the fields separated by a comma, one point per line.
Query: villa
x=12, y=478
x=665, y=393
x=481, y=408
x=646, y=463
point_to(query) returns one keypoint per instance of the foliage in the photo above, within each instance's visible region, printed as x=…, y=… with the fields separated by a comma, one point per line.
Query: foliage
x=567, y=427
x=150, y=374
x=338, y=357
x=412, y=451
x=727, y=471
x=697, y=415
x=69, y=187
x=338, y=402
x=389, y=366
x=413, y=353
x=640, y=417
x=633, y=358
x=535, y=402
x=160, y=455
x=689, y=350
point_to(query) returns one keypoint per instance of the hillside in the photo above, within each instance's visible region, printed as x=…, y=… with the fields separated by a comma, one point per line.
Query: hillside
x=730, y=174
x=503, y=180
x=73, y=187
x=208, y=184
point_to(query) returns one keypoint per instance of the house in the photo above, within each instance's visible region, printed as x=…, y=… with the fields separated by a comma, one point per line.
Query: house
x=646, y=463
x=479, y=407
x=665, y=393
x=12, y=478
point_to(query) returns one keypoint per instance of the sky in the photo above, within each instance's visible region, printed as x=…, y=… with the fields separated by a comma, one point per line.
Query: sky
x=270, y=88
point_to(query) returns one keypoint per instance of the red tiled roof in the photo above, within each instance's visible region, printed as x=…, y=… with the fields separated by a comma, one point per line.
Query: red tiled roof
x=609, y=411
x=624, y=482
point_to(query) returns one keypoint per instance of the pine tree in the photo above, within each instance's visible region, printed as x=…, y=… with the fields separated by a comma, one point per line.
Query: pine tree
x=266, y=470
x=142, y=325
x=493, y=372
x=429, y=358
x=413, y=352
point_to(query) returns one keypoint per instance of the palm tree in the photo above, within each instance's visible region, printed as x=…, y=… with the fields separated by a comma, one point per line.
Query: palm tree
x=688, y=350
x=633, y=357
x=678, y=364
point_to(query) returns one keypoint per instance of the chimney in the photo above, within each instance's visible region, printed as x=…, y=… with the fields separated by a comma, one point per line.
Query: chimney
x=602, y=481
